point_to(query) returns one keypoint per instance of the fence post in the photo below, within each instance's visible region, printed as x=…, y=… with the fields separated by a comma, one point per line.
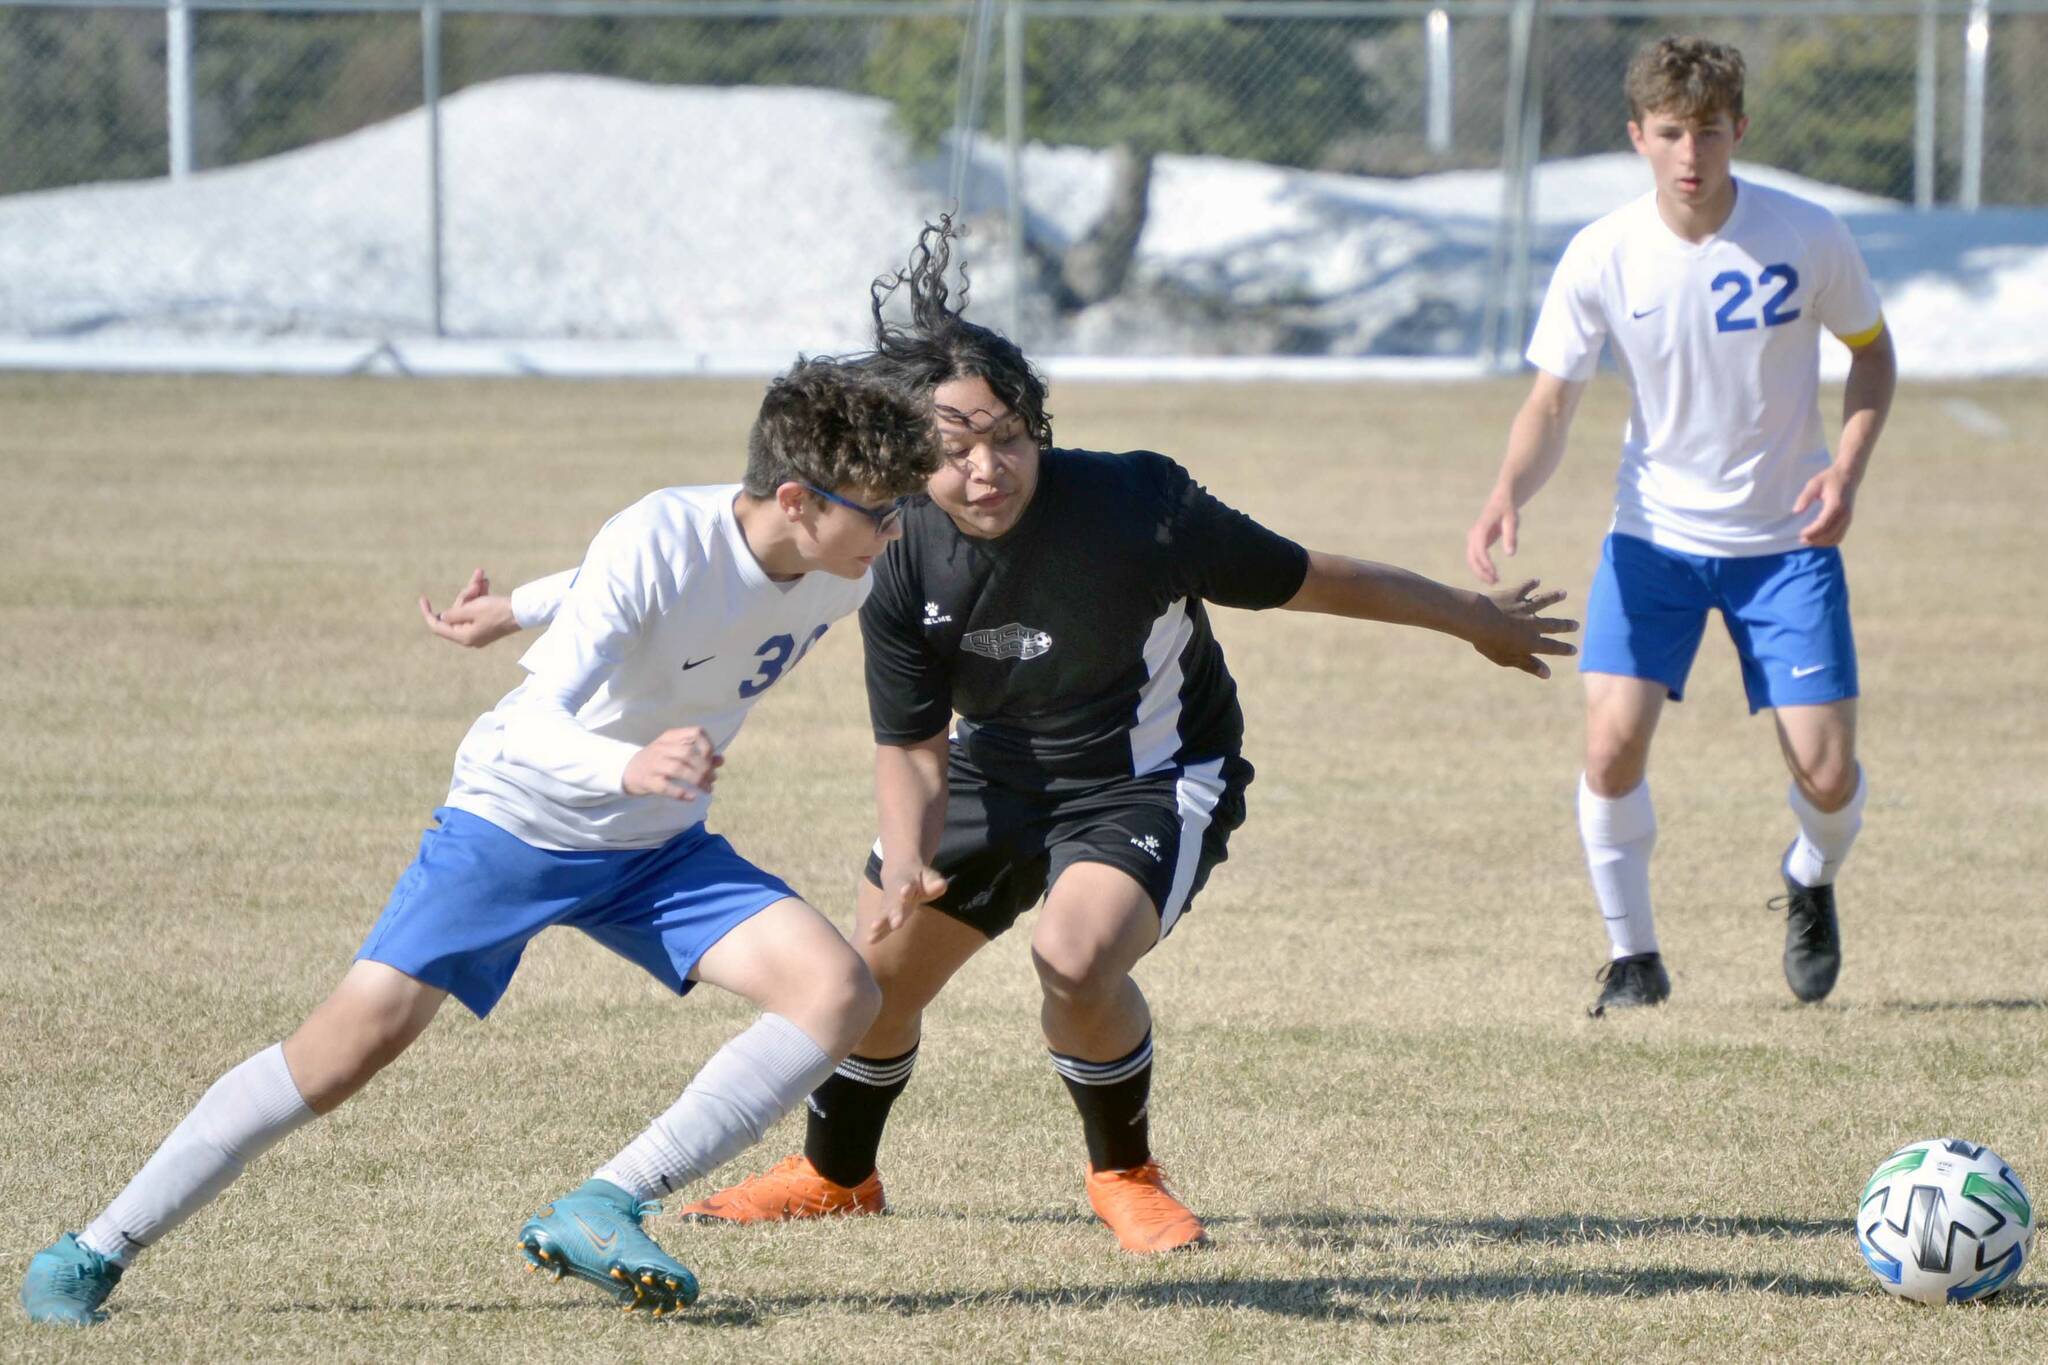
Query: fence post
x=430, y=81
x=1013, y=158
x=1532, y=155
x=178, y=84
x=1437, y=102
x=431, y=99
x=1507, y=276
x=1925, y=80
x=1976, y=53
x=967, y=102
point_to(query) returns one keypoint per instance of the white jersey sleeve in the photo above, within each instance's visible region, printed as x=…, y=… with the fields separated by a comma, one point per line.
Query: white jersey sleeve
x=622, y=584
x=535, y=603
x=1572, y=326
x=1845, y=299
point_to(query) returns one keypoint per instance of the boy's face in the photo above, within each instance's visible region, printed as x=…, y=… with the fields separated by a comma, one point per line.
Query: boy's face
x=991, y=459
x=1688, y=157
x=849, y=528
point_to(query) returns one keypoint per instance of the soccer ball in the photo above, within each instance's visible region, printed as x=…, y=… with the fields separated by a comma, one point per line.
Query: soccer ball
x=1944, y=1221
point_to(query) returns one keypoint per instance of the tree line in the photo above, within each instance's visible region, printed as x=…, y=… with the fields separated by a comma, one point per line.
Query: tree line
x=82, y=91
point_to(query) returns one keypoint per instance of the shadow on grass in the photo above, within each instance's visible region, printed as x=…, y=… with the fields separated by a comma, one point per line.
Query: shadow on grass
x=348, y=1307
x=713, y=1314
x=1959, y=1006
x=1381, y=1297
x=1385, y=1298
x=1344, y=1231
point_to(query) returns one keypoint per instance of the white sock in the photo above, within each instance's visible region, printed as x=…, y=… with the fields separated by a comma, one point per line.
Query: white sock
x=1619, y=833
x=746, y=1086
x=245, y=1114
x=1825, y=837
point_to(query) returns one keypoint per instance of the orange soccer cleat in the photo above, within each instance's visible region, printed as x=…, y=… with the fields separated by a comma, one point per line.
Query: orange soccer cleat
x=791, y=1188
x=1142, y=1211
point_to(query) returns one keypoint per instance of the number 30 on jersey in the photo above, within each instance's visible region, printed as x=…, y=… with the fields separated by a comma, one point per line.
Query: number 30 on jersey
x=775, y=656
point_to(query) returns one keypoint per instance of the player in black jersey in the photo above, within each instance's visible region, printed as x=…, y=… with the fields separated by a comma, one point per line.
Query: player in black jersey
x=1054, y=720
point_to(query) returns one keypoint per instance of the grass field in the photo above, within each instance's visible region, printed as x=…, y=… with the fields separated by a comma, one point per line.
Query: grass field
x=221, y=729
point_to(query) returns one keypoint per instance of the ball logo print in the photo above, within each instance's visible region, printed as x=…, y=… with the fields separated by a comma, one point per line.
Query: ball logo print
x=1944, y=1221
x=1011, y=642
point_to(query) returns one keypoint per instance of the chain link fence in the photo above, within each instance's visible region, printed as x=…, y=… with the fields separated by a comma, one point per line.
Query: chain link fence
x=722, y=177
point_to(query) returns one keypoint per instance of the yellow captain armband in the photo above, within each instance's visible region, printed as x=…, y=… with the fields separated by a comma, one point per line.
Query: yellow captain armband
x=1856, y=341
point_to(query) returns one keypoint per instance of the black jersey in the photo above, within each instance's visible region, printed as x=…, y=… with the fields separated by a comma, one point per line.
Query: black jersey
x=1076, y=645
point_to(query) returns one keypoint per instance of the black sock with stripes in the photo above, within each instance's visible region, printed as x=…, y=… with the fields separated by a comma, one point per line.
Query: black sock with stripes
x=1112, y=1098
x=847, y=1112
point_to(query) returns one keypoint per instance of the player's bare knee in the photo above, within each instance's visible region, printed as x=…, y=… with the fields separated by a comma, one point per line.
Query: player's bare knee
x=344, y=1044
x=1616, y=769
x=1829, y=784
x=860, y=1000
x=1073, y=972
x=836, y=1002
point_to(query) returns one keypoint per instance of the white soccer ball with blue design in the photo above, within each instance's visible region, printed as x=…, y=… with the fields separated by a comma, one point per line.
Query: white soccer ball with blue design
x=1945, y=1221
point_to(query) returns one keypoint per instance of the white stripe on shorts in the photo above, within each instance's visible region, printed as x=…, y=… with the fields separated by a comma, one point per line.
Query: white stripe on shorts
x=1196, y=792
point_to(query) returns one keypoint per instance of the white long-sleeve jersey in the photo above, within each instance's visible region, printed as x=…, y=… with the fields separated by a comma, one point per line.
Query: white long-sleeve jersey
x=669, y=622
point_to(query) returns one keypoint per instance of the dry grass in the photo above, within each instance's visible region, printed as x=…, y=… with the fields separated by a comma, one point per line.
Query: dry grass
x=221, y=729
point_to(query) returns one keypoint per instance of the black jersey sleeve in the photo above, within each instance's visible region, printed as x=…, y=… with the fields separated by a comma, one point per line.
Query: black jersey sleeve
x=1221, y=555
x=910, y=697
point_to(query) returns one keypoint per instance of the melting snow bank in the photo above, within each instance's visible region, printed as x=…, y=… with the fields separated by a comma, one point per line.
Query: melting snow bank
x=595, y=226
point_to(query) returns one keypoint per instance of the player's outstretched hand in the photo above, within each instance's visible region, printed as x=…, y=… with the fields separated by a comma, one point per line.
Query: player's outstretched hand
x=680, y=764
x=475, y=618
x=1499, y=521
x=1837, y=505
x=1514, y=633
x=903, y=890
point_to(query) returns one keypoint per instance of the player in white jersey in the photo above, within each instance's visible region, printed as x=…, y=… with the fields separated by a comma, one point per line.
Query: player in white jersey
x=1712, y=293
x=579, y=800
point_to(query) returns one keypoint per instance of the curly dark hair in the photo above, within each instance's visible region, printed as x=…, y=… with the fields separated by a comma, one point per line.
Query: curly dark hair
x=941, y=344
x=842, y=424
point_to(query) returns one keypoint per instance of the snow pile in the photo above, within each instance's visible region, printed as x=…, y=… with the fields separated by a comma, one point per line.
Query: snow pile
x=744, y=225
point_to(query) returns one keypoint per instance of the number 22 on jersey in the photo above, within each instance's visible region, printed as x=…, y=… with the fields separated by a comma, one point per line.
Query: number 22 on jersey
x=1728, y=317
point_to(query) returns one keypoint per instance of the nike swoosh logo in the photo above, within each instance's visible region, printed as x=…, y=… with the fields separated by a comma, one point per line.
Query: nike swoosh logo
x=1645, y=312
x=1808, y=671
x=603, y=1243
x=689, y=664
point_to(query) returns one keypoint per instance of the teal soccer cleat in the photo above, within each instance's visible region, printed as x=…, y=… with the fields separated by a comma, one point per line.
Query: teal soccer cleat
x=66, y=1284
x=594, y=1234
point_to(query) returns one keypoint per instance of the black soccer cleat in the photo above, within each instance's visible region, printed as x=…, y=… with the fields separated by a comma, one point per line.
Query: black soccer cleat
x=1813, y=938
x=1631, y=982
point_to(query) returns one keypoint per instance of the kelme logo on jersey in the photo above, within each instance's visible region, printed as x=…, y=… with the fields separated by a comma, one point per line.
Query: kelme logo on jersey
x=932, y=617
x=1010, y=642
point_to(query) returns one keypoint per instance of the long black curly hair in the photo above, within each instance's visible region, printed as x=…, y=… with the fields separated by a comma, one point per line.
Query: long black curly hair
x=941, y=344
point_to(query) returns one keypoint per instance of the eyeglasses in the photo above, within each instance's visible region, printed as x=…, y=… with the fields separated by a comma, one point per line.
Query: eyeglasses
x=886, y=517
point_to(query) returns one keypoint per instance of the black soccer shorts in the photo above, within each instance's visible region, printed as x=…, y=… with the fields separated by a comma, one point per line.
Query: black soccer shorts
x=1002, y=848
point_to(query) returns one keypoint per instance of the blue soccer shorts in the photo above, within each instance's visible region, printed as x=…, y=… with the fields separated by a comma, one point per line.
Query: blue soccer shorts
x=1788, y=615
x=462, y=914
